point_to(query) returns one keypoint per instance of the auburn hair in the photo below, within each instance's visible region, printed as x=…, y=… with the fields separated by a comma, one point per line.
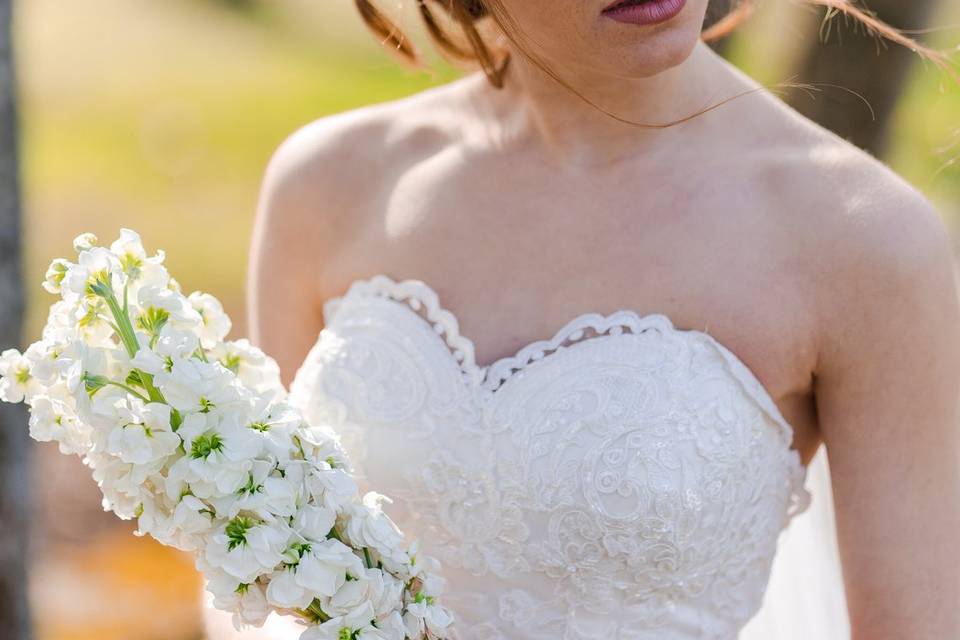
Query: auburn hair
x=455, y=27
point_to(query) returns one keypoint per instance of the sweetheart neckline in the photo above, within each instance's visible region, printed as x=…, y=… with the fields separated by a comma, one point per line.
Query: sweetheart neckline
x=418, y=293
x=468, y=362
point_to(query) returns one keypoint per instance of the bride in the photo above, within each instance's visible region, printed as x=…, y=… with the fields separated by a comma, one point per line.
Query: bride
x=594, y=314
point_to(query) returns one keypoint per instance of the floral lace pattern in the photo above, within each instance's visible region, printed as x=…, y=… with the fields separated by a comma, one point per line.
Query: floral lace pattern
x=624, y=479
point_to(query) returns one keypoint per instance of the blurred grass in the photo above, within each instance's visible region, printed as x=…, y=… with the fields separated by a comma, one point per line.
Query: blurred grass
x=160, y=115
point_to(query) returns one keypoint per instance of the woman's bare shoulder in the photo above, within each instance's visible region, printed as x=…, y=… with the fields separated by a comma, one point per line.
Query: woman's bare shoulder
x=325, y=183
x=839, y=199
x=859, y=212
x=871, y=243
x=822, y=184
x=345, y=157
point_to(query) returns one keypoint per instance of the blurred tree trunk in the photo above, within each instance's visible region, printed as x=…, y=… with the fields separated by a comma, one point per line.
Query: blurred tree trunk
x=851, y=60
x=14, y=441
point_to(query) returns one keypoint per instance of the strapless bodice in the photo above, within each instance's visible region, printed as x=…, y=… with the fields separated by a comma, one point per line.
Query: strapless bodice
x=624, y=479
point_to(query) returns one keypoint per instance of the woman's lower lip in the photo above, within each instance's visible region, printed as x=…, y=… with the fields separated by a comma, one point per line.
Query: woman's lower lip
x=649, y=12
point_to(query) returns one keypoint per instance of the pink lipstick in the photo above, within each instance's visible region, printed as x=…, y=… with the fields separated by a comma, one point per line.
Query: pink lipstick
x=644, y=11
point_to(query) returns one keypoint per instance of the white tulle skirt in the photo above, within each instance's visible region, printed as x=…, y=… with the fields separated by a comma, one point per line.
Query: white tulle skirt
x=805, y=598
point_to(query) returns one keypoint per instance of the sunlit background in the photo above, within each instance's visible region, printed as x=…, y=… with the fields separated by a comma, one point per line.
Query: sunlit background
x=161, y=115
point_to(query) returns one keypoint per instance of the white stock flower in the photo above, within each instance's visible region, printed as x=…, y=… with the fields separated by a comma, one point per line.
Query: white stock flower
x=140, y=268
x=320, y=442
x=391, y=599
x=191, y=523
x=153, y=517
x=220, y=453
x=367, y=587
x=53, y=419
x=368, y=526
x=60, y=327
x=247, y=601
x=320, y=570
x=423, y=616
x=54, y=276
x=129, y=246
x=277, y=422
x=331, y=487
x=159, y=302
x=314, y=522
x=120, y=482
x=172, y=345
x=265, y=493
x=356, y=624
x=256, y=370
x=94, y=265
x=245, y=548
x=419, y=566
x=109, y=409
x=390, y=626
x=147, y=438
x=84, y=242
x=91, y=323
x=432, y=584
x=284, y=592
x=78, y=358
x=17, y=383
x=215, y=323
x=43, y=356
x=194, y=385
x=45, y=419
x=278, y=497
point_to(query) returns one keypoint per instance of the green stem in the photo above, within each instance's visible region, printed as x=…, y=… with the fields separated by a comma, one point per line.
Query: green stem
x=125, y=328
x=128, y=337
x=313, y=612
x=315, y=609
x=129, y=390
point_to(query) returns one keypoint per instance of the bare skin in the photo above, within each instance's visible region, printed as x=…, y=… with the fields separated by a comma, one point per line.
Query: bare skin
x=829, y=276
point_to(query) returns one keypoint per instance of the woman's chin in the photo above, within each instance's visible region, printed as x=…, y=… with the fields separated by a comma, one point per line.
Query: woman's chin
x=652, y=56
x=632, y=50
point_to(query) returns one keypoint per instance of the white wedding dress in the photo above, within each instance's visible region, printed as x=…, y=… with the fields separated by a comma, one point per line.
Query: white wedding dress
x=623, y=480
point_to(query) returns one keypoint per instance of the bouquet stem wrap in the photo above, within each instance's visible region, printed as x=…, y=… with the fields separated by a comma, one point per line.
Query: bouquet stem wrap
x=191, y=435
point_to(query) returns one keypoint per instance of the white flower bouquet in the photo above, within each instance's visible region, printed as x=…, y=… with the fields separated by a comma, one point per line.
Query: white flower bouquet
x=191, y=435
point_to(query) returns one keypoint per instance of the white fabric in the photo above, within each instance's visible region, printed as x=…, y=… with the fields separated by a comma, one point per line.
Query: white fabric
x=624, y=479
x=805, y=599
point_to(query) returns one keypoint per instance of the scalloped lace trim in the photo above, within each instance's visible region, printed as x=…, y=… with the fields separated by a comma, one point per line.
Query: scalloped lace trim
x=425, y=301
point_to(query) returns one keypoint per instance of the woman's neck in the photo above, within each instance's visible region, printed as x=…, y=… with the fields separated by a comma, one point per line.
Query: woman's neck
x=536, y=110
